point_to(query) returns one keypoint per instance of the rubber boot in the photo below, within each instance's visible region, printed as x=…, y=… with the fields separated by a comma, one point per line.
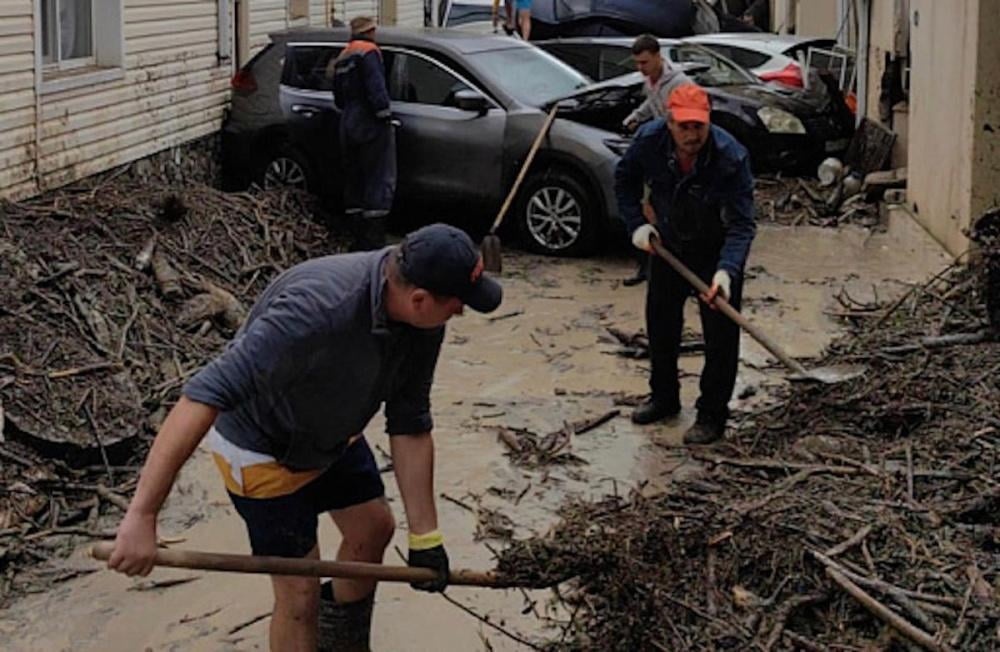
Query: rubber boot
x=343, y=627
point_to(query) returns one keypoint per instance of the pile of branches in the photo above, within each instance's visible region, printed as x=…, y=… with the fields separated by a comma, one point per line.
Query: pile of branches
x=795, y=201
x=112, y=294
x=864, y=514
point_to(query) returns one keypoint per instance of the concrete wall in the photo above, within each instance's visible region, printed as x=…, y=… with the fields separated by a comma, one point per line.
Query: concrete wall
x=954, y=157
x=883, y=40
x=816, y=18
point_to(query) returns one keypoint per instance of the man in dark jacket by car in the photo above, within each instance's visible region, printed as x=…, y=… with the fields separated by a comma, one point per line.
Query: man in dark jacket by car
x=702, y=197
x=367, y=139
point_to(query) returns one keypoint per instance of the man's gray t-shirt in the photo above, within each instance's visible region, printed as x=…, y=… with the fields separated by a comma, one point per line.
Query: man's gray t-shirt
x=314, y=362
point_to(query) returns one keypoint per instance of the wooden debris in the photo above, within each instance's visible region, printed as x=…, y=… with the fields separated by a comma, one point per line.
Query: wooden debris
x=902, y=496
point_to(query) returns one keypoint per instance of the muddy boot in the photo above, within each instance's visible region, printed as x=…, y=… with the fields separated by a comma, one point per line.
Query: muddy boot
x=652, y=411
x=705, y=431
x=640, y=272
x=343, y=627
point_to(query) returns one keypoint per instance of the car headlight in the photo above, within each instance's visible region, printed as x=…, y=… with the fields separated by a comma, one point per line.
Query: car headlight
x=778, y=121
x=618, y=145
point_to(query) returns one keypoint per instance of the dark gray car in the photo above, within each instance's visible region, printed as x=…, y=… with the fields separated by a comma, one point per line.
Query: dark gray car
x=468, y=108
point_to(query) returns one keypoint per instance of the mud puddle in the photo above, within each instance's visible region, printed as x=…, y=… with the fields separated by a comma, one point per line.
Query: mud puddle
x=537, y=363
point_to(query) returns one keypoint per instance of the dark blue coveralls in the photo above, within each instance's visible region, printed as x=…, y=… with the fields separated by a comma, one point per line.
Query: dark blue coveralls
x=706, y=218
x=367, y=137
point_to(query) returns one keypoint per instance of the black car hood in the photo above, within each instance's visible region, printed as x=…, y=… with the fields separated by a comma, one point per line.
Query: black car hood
x=762, y=95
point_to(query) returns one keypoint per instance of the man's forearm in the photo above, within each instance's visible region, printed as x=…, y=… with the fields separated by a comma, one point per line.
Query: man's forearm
x=413, y=460
x=180, y=434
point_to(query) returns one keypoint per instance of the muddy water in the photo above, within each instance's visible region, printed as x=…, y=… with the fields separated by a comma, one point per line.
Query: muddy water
x=539, y=362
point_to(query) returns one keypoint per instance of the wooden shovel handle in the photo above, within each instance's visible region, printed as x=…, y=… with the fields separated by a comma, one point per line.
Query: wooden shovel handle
x=524, y=167
x=212, y=561
x=728, y=310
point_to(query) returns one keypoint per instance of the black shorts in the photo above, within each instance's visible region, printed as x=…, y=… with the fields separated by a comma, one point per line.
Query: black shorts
x=285, y=526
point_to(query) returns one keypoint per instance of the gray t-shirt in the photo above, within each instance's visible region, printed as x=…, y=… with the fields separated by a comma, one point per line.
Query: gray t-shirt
x=315, y=361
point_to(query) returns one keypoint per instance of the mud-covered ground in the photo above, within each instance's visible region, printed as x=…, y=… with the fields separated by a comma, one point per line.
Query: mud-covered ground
x=544, y=359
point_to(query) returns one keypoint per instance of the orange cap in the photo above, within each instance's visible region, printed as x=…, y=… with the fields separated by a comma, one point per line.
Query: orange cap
x=689, y=103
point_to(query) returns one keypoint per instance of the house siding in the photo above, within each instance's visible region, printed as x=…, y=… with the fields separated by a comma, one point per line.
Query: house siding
x=17, y=97
x=172, y=89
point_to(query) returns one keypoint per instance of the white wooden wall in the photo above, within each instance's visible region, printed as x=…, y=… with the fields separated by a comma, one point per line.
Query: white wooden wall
x=17, y=98
x=173, y=88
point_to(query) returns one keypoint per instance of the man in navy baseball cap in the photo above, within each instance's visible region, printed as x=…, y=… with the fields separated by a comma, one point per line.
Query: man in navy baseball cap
x=444, y=260
x=330, y=343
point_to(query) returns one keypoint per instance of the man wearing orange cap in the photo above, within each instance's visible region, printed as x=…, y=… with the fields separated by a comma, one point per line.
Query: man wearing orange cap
x=702, y=196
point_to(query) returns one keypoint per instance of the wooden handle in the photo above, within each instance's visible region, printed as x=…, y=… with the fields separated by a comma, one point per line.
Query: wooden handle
x=549, y=119
x=728, y=310
x=212, y=561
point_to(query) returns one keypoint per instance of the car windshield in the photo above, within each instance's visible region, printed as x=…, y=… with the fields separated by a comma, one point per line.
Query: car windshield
x=529, y=74
x=720, y=72
x=461, y=13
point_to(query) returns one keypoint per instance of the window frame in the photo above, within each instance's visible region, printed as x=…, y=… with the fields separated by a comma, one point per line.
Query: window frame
x=435, y=65
x=59, y=64
x=106, y=62
x=393, y=49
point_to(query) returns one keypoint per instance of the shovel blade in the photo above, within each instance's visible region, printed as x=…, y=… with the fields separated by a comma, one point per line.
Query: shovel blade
x=829, y=375
x=492, y=254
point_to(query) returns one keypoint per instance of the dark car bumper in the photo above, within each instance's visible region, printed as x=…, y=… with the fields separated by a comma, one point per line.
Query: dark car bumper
x=793, y=152
x=825, y=136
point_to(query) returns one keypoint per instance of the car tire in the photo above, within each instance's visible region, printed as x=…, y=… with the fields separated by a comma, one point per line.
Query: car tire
x=556, y=215
x=286, y=167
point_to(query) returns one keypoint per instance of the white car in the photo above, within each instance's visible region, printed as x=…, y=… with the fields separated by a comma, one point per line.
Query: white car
x=772, y=57
x=474, y=16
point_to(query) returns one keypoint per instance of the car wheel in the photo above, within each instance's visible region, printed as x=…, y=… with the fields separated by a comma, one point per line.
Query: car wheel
x=286, y=168
x=556, y=215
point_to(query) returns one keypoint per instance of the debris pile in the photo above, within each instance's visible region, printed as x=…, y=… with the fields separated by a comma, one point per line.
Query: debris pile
x=794, y=201
x=112, y=294
x=864, y=514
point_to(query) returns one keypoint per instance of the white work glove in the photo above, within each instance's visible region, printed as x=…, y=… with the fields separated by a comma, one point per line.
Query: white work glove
x=642, y=236
x=721, y=284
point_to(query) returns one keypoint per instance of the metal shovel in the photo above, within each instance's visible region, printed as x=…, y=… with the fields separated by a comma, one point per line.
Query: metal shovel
x=491, y=248
x=827, y=375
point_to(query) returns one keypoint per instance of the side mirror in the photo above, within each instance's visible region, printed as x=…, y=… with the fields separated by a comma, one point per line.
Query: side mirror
x=469, y=100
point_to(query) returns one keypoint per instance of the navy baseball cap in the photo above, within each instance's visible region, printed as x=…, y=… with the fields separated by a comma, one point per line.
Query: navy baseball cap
x=444, y=260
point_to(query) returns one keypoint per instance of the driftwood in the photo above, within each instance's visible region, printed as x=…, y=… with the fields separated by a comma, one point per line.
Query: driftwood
x=897, y=485
x=92, y=356
x=166, y=276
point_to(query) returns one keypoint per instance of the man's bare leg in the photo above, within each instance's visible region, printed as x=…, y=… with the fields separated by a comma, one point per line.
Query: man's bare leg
x=295, y=619
x=367, y=530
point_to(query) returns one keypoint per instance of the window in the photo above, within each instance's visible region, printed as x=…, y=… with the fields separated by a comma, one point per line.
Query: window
x=529, y=74
x=81, y=42
x=306, y=67
x=67, y=32
x=742, y=56
x=415, y=79
x=615, y=62
x=584, y=58
x=713, y=69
